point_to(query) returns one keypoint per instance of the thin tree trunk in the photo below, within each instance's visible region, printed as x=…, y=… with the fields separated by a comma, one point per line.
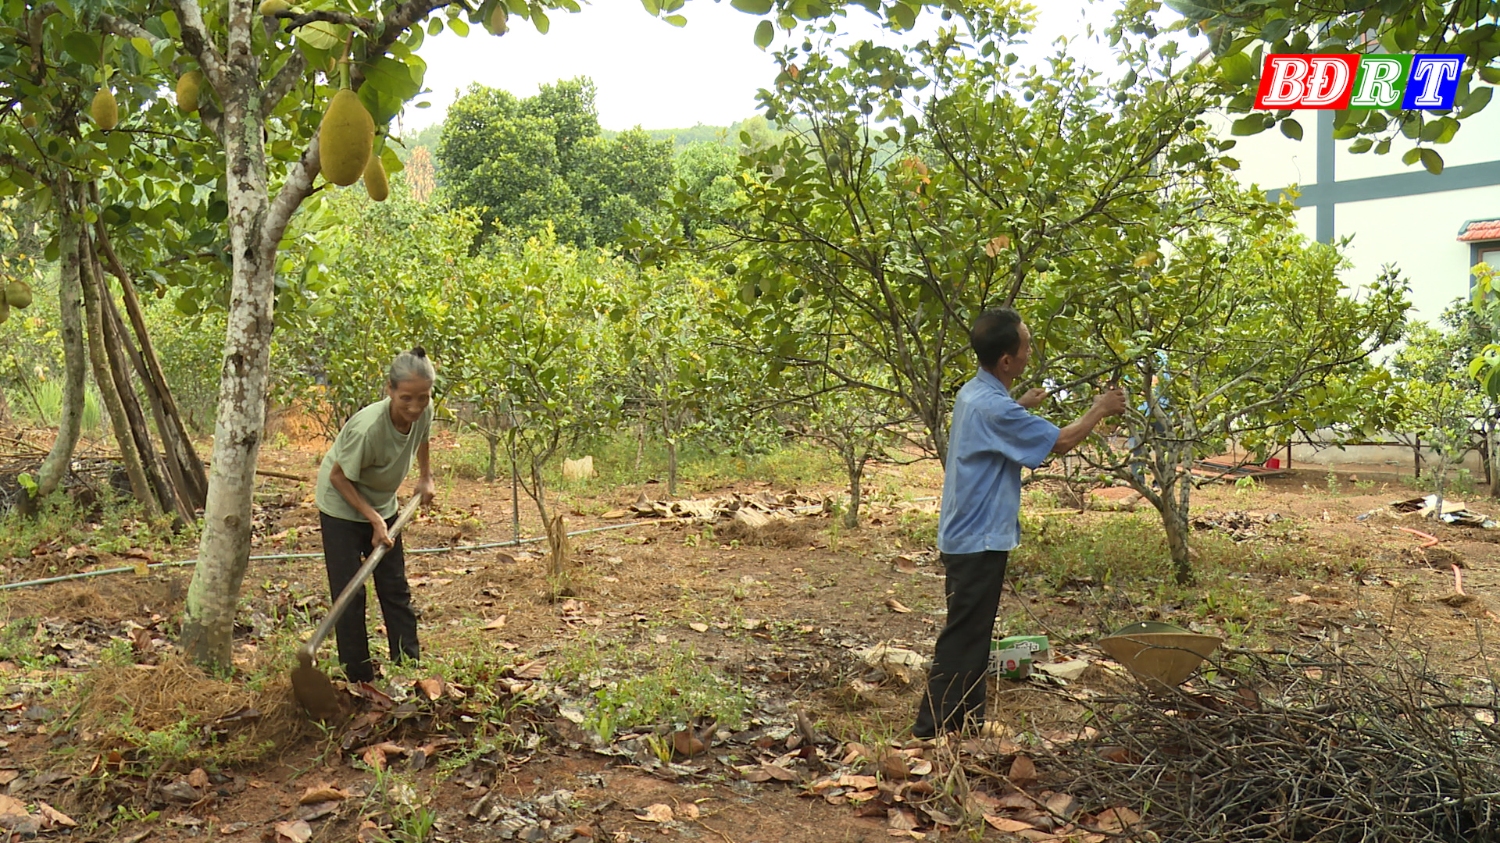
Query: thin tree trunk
x=75, y=358
x=856, y=469
x=104, y=377
x=489, y=469
x=178, y=445
x=117, y=347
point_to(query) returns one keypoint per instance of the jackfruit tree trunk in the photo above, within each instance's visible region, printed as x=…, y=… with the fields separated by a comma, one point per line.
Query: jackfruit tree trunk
x=256, y=224
x=75, y=358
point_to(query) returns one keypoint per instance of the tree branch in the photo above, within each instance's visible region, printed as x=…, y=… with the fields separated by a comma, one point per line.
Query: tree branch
x=395, y=25
x=125, y=28
x=288, y=76
x=199, y=45
x=343, y=18
x=297, y=187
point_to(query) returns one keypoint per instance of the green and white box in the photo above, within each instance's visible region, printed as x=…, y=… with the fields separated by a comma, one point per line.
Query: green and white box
x=1012, y=657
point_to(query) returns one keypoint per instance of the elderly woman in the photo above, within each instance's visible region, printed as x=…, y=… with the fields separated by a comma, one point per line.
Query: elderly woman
x=356, y=496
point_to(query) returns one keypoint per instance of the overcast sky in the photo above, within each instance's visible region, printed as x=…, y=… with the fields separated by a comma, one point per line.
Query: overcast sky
x=657, y=76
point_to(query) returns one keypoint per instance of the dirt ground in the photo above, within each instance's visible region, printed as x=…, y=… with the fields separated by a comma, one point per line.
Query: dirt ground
x=781, y=613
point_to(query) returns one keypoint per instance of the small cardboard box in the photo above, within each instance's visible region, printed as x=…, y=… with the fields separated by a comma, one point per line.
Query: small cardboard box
x=1012, y=657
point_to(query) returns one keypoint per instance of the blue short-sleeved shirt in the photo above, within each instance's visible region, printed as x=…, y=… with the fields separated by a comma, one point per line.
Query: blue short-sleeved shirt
x=991, y=438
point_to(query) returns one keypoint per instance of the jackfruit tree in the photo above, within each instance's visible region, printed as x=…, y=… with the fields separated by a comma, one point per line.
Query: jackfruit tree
x=269, y=72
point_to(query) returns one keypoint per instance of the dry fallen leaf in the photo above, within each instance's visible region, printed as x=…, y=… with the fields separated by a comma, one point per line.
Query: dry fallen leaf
x=325, y=793
x=532, y=670
x=431, y=688
x=54, y=816
x=894, y=767
x=900, y=820
x=198, y=778
x=12, y=807
x=1006, y=824
x=1117, y=819
x=698, y=627
x=1299, y=599
x=896, y=606
x=1062, y=805
x=296, y=831
x=1022, y=771
x=497, y=623
x=658, y=813
x=686, y=744
x=688, y=811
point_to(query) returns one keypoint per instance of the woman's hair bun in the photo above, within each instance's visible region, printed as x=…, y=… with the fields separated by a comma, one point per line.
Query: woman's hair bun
x=419, y=352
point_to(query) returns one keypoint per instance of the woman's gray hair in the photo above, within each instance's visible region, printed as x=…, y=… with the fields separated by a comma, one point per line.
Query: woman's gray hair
x=411, y=365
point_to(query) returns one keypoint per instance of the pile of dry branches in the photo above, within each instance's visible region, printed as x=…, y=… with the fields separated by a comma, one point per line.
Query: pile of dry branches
x=1333, y=745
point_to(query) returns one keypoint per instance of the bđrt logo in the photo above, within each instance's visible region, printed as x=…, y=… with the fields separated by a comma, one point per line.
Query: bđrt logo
x=1354, y=81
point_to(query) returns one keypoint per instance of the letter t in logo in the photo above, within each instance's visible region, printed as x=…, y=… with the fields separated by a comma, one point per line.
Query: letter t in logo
x=1434, y=81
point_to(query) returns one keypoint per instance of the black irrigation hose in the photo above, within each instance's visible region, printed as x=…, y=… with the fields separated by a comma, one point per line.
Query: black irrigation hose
x=186, y=562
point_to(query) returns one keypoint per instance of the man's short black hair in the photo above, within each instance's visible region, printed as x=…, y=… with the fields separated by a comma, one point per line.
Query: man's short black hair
x=995, y=334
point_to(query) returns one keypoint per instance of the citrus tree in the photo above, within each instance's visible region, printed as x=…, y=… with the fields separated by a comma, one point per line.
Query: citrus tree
x=914, y=188
x=1236, y=331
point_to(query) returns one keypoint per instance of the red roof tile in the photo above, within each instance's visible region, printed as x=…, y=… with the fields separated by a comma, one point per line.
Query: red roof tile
x=1476, y=230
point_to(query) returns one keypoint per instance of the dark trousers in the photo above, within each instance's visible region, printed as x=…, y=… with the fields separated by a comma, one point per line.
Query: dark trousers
x=346, y=545
x=959, y=679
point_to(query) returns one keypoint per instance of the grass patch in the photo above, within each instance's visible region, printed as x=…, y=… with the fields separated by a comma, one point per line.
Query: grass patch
x=627, y=686
x=1126, y=555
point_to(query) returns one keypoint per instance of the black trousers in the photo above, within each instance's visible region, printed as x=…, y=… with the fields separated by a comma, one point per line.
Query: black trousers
x=959, y=679
x=346, y=545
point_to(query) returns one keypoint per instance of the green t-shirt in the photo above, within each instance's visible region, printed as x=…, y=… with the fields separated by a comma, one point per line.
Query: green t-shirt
x=375, y=456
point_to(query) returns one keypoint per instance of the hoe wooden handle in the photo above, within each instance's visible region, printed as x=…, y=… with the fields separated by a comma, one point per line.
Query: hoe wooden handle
x=305, y=655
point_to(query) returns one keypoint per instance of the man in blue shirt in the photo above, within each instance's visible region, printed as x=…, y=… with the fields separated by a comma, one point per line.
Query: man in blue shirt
x=991, y=437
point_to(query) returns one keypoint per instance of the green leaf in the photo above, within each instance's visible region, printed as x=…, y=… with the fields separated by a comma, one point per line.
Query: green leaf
x=1432, y=160
x=393, y=77
x=1383, y=147
x=81, y=46
x=765, y=32
x=1411, y=156
x=322, y=35
x=754, y=7
x=459, y=26
x=1361, y=145
x=651, y=8
x=903, y=16
x=1237, y=69
x=1252, y=124
x=540, y=20
x=1291, y=128
x=1275, y=30
x=141, y=46
x=676, y=20
x=1478, y=99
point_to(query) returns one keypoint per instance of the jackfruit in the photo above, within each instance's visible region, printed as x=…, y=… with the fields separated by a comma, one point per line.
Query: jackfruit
x=496, y=23
x=375, y=182
x=345, y=138
x=104, y=110
x=17, y=294
x=271, y=7
x=4, y=311
x=188, y=86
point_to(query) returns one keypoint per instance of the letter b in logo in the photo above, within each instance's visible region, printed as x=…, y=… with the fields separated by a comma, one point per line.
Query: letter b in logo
x=1307, y=81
